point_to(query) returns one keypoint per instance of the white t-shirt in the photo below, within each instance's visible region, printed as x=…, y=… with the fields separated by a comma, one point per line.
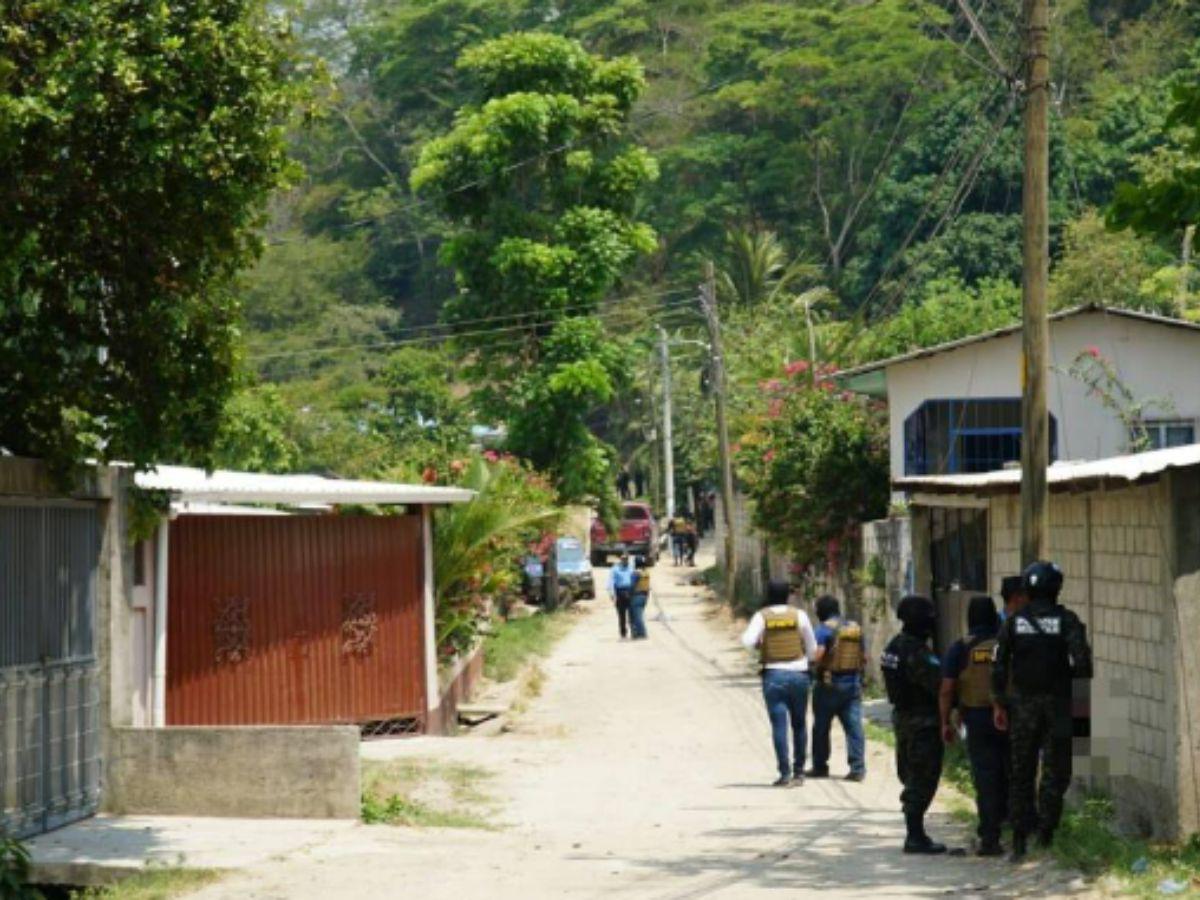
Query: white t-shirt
x=752, y=638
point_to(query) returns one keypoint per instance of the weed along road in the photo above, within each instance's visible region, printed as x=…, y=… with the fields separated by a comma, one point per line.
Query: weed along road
x=641, y=770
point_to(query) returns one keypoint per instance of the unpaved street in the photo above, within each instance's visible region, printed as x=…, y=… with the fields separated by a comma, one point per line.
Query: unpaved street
x=641, y=771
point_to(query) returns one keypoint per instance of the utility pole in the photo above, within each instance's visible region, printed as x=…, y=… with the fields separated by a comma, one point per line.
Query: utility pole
x=1035, y=442
x=664, y=353
x=708, y=300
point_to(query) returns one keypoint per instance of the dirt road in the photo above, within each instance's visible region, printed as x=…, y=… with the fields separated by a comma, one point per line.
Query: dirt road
x=641, y=772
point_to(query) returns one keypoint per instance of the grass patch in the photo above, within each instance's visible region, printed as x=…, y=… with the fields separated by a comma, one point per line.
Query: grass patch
x=511, y=644
x=1088, y=840
x=424, y=794
x=156, y=883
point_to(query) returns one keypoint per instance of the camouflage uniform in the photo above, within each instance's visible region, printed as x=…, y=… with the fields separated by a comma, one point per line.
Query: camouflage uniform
x=913, y=675
x=1040, y=650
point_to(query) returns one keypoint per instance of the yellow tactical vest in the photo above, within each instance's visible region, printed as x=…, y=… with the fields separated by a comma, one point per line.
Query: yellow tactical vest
x=781, y=636
x=846, y=655
x=975, y=681
x=643, y=583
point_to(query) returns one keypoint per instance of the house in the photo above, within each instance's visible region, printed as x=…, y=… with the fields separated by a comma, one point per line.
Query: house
x=224, y=666
x=1126, y=531
x=956, y=407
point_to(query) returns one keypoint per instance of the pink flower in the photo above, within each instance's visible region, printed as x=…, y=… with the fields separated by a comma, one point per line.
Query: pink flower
x=769, y=456
x=491, y=455
x=796, y=368
x=775, y=409
x=1092, y=350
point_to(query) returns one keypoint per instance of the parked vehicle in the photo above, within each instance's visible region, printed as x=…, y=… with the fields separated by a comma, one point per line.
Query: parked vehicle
x=637, y=535
x=574, y=571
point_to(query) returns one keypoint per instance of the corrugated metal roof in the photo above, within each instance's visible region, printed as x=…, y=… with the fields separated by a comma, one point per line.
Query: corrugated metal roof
x=1062, y=476
x=251, y=487
x=1012, y=329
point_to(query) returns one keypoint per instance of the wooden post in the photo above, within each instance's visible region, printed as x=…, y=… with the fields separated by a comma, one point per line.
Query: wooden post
x=708, y=300
x=1035, y=421
x=664, y=351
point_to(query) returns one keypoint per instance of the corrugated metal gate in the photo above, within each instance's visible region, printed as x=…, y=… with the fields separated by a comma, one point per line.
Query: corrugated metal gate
x=295, y=620
x=49, y=692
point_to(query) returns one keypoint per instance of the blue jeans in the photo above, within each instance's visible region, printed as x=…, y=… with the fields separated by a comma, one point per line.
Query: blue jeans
x=637, y=615
x=841, y=698
x=786, y=696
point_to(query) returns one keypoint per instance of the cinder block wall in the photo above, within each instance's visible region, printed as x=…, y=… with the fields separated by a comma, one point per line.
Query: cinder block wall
x=1118, y=582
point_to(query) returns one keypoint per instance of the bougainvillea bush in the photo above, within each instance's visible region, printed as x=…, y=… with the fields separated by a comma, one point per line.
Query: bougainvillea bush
x=814, y=460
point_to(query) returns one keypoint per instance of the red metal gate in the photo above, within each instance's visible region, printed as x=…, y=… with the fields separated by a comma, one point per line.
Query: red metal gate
x=291, y=620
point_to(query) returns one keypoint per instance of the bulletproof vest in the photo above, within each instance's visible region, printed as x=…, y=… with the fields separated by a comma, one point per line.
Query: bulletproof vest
x=846, y=655
x=975, y=680
x=643, y=583
x=901, y=692
x=1041, y=662
x=781, y=636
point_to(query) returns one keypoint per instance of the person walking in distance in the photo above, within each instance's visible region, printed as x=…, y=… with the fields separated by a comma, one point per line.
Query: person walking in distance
x=837, y=689
x=967, y=686
x=620, y=587
x=784, y=639
x=637, y=604
x=1040, y=651
x=912, y=674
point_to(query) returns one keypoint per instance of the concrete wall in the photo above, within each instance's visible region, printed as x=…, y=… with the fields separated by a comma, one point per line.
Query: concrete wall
x=1152, y=360
x=255, y=772
x=1185, y=494
x=1113, y=550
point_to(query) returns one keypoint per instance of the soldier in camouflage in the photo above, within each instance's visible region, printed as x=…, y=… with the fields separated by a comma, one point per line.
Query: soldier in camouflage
x=1040, y=651
x=912, y=674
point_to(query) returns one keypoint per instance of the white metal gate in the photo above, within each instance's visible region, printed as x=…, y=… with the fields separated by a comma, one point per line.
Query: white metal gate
x=49, y=692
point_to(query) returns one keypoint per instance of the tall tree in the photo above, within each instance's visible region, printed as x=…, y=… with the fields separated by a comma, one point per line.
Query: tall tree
x=541, y=181
x=139, y=141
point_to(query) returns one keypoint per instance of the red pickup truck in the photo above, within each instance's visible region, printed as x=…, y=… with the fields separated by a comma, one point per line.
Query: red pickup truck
x=638, y=535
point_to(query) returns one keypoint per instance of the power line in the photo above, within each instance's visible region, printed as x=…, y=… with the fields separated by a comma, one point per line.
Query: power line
x=612, y=316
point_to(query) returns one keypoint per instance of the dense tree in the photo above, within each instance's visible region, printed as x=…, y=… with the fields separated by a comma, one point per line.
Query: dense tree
x=139, y=141
x=542, y=183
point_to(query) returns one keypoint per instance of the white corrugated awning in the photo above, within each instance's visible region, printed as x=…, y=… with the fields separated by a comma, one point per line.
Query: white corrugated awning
x=1063, y=476
x=196, y=485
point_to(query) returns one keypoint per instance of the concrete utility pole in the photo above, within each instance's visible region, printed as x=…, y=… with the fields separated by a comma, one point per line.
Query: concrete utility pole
x=1035, y=422
x=664, y=353
x=708, y=300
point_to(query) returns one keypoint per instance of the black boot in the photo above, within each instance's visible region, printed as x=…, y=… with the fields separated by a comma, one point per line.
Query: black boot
x=917, y=841
x=1019, y=847
x=990, y=847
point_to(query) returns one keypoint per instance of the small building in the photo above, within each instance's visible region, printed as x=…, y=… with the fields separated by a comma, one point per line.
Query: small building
x=224, y=666
x=1126, y=531
x=956, y=407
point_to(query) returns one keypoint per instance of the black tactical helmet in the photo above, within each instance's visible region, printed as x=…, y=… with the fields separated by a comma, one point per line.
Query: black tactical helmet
x=1043, y=580
x=914, y=608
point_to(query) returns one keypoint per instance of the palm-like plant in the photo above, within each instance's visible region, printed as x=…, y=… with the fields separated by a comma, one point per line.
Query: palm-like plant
x=758, y=269
x=475, y=545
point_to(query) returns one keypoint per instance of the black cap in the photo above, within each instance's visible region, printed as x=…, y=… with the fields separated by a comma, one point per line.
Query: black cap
x=981, y=613
x=778, y=592
x=1042, y=580
x=1011, y=585
x=827, y=607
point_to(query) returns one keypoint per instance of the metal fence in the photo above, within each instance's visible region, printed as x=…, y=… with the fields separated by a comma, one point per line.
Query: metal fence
x=49, y=692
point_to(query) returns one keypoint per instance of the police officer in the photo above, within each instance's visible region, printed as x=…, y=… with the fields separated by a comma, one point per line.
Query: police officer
x=912, y=674
x=1040, y=650
x=841, y=657
x=967, y=686
x=784, y=639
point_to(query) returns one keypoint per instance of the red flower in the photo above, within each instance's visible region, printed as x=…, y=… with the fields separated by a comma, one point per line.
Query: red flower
x=491, y=455
x=796, y=368
x=769, y=456
x=1092, y=350
x=429, y=476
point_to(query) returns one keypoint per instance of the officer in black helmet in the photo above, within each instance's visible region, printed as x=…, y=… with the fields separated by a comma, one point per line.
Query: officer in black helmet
x=1041, y=649
x=912, y=674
